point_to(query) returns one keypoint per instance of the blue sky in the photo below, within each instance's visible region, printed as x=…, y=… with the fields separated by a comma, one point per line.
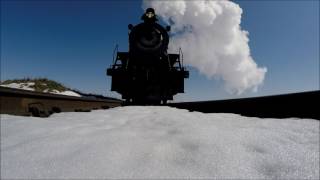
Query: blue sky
x=72, y=42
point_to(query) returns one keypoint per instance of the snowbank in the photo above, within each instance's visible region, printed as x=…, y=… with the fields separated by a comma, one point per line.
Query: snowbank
x=23, y=86
x=158, y=142
x=66, y=93
x=28, y=87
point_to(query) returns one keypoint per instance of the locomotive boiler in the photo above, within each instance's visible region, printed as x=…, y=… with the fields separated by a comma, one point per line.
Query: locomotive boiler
x=147, y=74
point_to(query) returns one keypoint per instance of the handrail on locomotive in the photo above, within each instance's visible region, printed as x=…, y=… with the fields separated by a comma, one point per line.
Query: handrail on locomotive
x=117, y=63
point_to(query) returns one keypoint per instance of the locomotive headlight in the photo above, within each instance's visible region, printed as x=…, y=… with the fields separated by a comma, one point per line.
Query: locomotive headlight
x=149, y=14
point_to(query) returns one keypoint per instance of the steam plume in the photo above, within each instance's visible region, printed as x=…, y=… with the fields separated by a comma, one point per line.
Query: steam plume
x=212, y=40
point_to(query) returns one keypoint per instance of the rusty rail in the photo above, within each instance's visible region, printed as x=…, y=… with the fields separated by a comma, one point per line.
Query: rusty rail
x=299, y=105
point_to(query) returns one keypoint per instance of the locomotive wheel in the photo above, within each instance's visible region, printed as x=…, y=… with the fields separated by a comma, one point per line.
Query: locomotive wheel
x=164, y=101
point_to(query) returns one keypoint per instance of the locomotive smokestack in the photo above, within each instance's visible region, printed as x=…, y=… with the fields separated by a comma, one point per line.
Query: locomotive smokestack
x=149, y=16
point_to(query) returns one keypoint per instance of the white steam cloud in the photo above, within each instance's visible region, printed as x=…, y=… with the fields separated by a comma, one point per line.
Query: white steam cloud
x=212, y=40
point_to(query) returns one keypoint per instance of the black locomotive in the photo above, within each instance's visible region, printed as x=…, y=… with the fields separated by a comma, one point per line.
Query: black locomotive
x=147, y=74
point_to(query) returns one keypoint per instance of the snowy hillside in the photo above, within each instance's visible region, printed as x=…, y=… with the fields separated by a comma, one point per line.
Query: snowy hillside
x=39, y=85
x=158, y=142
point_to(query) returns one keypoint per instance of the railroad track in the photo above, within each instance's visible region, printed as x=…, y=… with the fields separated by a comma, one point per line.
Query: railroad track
x=30, y=103
x=299, y=105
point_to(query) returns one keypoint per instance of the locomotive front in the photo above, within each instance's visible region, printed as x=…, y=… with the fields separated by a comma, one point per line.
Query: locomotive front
x=148, y=38
x=147, y=74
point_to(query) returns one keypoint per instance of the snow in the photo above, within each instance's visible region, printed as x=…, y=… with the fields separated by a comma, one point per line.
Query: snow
x=158, y=142
x=26, y=86
x=67, y=93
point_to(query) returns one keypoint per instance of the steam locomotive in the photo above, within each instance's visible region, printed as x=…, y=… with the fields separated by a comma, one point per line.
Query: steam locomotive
x=147, y=74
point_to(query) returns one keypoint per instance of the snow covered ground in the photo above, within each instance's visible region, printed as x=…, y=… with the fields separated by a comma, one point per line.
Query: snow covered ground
x=27, y=86
x=67, y=93
x=23, y=86
x=158, y=142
